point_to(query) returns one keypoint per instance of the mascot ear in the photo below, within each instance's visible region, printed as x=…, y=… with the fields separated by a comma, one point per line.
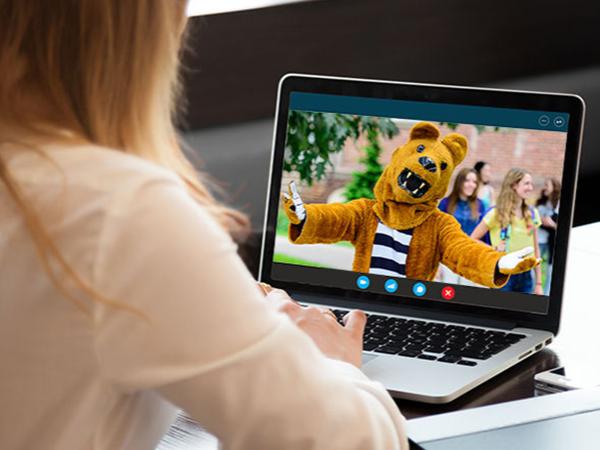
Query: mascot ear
x=457, y=144
x=424, y=130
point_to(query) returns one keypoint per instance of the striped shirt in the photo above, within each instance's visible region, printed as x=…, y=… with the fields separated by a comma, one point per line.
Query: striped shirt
x=389, y=251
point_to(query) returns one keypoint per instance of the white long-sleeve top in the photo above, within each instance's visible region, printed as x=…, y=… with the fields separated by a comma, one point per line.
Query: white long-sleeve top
x=211, y=346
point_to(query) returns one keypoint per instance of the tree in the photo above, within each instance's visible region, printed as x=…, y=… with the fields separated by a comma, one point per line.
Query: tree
x=362, y=183
x=312, y=137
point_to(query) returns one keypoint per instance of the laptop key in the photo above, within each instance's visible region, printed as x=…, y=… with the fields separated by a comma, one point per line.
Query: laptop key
x=464, y=362
x=388, y=349
x=449, y=358
x=428, y=357
x=475, y=355
x=409, y=353
x=434, y=349
x=370, y=346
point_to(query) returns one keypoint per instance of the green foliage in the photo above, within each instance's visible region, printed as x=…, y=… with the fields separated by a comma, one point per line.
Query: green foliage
x=312, y=137
x=362, y=183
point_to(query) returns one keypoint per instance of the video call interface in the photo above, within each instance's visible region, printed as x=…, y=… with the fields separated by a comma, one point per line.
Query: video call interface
x=363, y=178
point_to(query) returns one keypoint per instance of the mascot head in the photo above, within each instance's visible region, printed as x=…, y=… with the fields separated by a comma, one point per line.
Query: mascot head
x=420, y=170
x=418, y=175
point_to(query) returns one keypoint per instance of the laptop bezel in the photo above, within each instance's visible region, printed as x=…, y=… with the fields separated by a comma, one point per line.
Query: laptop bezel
x=571, y=104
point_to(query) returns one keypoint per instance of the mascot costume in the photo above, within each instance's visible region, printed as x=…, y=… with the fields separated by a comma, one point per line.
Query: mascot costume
x=401, y=232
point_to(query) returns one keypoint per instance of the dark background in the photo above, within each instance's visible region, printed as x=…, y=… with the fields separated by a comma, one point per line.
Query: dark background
x=235, y=60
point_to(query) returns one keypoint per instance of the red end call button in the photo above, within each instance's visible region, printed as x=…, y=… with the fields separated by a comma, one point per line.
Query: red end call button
x=448, y=292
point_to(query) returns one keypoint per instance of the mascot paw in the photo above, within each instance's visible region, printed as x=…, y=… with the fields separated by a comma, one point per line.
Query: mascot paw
x=293, y=205
x=518, y=262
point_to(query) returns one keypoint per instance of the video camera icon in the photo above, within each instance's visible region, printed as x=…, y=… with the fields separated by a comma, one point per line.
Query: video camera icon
x=363, y=282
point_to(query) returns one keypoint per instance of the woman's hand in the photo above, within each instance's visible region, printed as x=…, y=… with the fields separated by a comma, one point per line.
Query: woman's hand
x=334, y=340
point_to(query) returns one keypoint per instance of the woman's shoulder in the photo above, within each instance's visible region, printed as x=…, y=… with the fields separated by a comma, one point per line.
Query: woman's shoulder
x=98, y=162
x=443, y=205
x=87, y=167
x=91, y=179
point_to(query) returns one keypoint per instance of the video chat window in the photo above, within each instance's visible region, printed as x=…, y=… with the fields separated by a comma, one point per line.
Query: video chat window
x=504, y=193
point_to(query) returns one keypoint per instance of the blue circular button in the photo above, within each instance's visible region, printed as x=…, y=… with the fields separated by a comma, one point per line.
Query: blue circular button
x=363, y=282
x=544, y=121
x=559, y=122
x=419, y=289
x=391, y=286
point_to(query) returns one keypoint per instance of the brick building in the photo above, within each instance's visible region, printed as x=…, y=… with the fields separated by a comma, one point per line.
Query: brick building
x=539, y=152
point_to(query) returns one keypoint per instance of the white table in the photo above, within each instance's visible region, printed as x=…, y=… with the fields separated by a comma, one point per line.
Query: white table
x=578, y=342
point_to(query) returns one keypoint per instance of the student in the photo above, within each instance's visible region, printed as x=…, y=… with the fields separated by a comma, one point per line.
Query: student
x=486, y=192
x=547, y=205
x=468, y=210
x=122, y=294
x=513, y=225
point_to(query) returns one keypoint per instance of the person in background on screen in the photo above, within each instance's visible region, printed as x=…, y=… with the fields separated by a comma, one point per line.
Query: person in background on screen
x=123, y=298
x=467, y=209
x=512, y=226
x=486, y=192
x=547, y=205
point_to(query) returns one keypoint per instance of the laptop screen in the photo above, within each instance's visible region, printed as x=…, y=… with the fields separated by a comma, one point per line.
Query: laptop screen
x=436, y=202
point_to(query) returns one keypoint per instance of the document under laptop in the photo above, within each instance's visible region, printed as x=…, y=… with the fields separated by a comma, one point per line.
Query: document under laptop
x=361, y=214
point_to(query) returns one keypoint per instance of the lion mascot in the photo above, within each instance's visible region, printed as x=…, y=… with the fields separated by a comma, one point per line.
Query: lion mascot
x=402, y=233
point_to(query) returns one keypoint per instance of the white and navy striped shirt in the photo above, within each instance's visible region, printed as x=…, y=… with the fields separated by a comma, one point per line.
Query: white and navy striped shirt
x=389, y=251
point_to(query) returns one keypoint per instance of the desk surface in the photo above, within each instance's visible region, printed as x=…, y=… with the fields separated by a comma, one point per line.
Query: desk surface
x=578, y=325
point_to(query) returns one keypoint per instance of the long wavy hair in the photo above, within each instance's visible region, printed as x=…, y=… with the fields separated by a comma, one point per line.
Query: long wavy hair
x=454, y=196
x=508, y=200
x=104, y=72
x=554, y=196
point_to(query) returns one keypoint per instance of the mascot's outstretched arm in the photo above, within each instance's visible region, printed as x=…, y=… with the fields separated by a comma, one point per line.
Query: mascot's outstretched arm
x=322, y=223
x=478, y=262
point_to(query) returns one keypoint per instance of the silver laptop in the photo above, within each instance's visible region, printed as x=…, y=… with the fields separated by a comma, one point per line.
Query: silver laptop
x=374, y=204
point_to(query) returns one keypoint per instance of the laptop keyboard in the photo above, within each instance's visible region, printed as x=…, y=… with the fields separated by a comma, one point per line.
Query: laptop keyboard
x=453, y=344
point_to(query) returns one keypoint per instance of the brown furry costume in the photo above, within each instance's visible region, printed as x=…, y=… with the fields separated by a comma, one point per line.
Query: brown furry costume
x=402, y=205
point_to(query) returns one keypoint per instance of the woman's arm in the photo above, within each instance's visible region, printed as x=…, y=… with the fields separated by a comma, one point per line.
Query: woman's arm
x=479, y=231
x=213, y=346
x=538, y=269
x=548, y=222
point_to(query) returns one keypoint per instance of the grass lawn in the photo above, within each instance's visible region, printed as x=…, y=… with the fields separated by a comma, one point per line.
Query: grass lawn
x=281, y=258
x=283, y=224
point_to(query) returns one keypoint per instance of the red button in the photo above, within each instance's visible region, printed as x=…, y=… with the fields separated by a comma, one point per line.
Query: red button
x=448, y=292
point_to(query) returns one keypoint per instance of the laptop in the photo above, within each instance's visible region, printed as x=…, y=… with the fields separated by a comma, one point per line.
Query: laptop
x=551, y=422
x=360, y=216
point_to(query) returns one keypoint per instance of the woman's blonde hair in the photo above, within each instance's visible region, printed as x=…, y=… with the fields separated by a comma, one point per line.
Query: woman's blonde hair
x=509, y=200
x=106, y=72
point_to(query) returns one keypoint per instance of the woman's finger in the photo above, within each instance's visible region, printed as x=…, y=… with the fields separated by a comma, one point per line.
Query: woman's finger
x=355, y=321
x=329, y=313
x=265, y=288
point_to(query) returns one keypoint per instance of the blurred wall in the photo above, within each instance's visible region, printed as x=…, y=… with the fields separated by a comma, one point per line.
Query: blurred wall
x=236, y=59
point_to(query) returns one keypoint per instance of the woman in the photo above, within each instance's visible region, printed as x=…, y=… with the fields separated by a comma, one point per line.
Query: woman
x=513, y=225
x=122, y=294
x=547, y=205
x=468, y=210
x=486, y=192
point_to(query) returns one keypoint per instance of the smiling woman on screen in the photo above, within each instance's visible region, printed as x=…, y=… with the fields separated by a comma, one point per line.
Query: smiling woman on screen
x=122, y=294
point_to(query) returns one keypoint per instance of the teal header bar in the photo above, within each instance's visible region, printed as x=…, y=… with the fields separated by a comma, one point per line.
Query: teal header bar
x=438, y=112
